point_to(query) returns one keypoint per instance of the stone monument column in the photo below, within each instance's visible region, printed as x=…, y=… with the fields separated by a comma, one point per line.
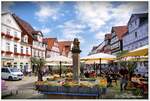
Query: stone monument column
x=76, y=60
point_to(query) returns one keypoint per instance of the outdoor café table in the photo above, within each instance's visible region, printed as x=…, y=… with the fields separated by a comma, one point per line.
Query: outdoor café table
x=140, y=83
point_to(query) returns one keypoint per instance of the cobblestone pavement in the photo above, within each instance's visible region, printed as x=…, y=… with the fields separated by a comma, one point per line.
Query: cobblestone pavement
x=25, y=88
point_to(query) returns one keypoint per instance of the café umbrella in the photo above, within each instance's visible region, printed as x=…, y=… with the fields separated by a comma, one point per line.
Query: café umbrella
x=100, y=57
x=142, y=51
x=59, y=59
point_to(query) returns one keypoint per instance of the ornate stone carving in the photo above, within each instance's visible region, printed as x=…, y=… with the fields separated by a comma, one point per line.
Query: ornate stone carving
x=76, y=46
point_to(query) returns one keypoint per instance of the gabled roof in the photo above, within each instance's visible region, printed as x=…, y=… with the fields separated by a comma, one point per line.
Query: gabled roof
x=94, y=48
x=65, y=45
x=37, y=32
x=24, y=25
x=50, y=42
x=9, y=13
x=108, y=36
x=139, y=15
x=120, y=31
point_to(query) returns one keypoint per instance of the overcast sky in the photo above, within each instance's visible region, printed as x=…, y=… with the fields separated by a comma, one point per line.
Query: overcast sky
x=88, y=21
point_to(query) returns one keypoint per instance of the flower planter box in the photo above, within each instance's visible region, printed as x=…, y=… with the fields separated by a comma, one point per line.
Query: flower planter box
x=16, y=38
x=8, y=36
x=2, y=52
x=68, y=89
x=28, y=55
x=16, y=53
x=22, y=54
x=94, y=89
x=84, y=90
x=9, y=52
x=2, y=34
x=74, y=89
x=52, y=88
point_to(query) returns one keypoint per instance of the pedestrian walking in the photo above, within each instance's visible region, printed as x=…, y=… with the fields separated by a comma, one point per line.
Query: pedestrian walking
x=124, y=79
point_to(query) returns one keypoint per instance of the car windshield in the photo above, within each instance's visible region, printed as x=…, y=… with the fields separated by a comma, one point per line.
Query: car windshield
x=14, y=70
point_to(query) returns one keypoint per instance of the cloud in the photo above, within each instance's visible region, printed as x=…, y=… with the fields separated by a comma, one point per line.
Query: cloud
x=100, y=35
x=101, y=16
x=6, y=6
x=44, y=30
x=46, y=11
x=94, y=14
x=72, y=29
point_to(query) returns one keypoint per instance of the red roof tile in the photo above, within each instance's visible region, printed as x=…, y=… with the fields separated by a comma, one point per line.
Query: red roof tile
x=65, y=45
x=50, y=42
x=120, y=31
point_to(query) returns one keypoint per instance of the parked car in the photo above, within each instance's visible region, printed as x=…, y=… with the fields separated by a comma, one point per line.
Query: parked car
x=11, y=73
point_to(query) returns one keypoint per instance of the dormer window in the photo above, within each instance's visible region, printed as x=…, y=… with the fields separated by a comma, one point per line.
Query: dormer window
x=26, y=38
x=135, y=34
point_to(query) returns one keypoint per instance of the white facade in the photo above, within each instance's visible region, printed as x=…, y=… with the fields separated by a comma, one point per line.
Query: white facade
x=14, y=53
x=38, y=47
x=10, y=30
x=54, y=51
x=137, y=35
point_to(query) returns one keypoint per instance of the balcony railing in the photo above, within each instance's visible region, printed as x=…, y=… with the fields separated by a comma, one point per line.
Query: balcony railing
x=9, y=52
x=22, y=54
x=16, y=53
x=2, y=51
x=3, y=34
x=16, y=38
x=28, y=54
x=9, y=36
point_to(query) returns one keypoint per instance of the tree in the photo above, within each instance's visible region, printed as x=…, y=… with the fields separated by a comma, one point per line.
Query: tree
x=39, y=64
x=131, y=66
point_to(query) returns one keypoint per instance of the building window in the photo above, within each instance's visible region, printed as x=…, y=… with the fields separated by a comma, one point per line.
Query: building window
x=21, y=49
x=26, y=50
x=135, y=22
x=8, y=46
x=8, y=31
x=15, y=34
x=25, y=39
x=131, y=25
x=15, y=48
x=135, y=34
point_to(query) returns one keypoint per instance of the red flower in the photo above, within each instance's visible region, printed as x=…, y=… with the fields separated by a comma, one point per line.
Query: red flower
x=22, y=54
x=9, y=36
x=28, y=55
x=9, y=52
x=16, y=53
x=16, y=38
x=3, y=34
x=2, y=52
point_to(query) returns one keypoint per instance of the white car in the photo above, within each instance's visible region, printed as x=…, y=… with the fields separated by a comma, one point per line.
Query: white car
x=11, y=73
